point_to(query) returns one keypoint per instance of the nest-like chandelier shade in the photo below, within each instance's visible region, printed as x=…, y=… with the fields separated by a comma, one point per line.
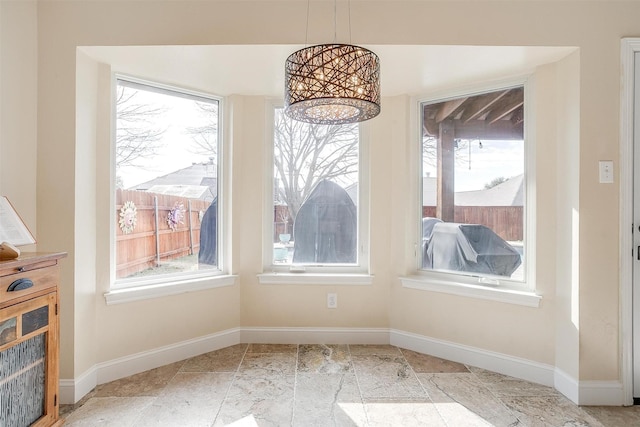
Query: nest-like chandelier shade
x=332, y=84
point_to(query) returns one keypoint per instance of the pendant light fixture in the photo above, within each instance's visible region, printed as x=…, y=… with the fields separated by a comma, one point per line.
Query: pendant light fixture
x=332, y=83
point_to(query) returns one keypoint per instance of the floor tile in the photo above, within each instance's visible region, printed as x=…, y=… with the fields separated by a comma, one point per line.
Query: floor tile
x=503, y=385
x=148, y=383
x=108, y=412
x=322, y=358
x=463, y=400
x=268, y=400
x=545, y=411
x=190, y=399
x=390, y=413
x=268, y=364
x=327, y=400
x=224, y=360
x=272, y=348
x=384, y=376
x=66, y=409
x=423, y=363
x=369, y=349
x=615, y=416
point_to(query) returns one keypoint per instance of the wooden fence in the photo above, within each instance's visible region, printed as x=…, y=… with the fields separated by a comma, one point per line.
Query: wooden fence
x=505, y=221
x=152, y=240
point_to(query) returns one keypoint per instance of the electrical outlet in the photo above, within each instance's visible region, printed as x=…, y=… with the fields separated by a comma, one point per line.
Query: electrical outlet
x=332, y=300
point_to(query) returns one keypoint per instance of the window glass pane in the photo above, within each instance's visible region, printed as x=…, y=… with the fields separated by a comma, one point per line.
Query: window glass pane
x=473, y=182
x=166, y=182
x=315, y=210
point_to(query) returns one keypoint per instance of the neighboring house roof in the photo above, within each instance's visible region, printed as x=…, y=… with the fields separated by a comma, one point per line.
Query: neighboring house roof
x=202, y=192
x=508, y=193
x=195, y=181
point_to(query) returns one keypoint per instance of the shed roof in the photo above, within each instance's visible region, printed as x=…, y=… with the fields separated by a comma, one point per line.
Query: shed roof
x=508, y=193
x=195, y=181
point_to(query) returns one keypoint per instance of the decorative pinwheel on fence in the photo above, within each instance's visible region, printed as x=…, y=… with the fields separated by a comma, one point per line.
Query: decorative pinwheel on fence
x=175, y=216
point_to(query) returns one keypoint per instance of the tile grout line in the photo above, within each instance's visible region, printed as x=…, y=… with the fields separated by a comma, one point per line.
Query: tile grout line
x=495, y=396
x=161, y=392
x=355, y=374
x=226, y=394
x=424, y=389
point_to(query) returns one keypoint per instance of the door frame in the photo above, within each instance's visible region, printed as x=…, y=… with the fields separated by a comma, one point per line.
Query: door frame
x=629, y=47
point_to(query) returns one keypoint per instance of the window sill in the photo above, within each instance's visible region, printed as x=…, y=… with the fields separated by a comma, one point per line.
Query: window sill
x=314, y=279
x=137, y=293
x=509, y=296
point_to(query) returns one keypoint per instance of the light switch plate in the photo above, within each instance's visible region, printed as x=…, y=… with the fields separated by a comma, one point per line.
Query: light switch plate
x=606, y=171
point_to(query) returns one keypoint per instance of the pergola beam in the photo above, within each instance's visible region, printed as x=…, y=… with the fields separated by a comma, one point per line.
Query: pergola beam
x=497, y=115
x=445, y=205
x=448, y=107
x=481, y=104
x=479, y=129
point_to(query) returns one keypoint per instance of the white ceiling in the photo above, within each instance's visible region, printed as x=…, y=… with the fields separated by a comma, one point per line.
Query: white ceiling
x=259, y=69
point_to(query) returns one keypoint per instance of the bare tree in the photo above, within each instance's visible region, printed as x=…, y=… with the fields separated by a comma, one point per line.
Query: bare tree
x=430, y=151
x=305, y=154
x=205, y=137
x=138, y=134
x=495, y=181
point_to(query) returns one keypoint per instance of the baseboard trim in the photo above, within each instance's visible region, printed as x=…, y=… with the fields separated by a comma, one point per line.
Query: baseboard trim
x=71, y=391
x=601, y=393
x=315, y=335
x=567, y=385
x=590, y=393
x=140, y=362
x=497, y=362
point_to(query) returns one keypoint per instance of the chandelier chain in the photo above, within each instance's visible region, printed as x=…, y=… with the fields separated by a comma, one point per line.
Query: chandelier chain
x=335, y=21
x=349, y=16
x=306, y=33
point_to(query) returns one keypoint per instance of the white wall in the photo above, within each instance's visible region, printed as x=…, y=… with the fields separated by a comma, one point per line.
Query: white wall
x=535, y=334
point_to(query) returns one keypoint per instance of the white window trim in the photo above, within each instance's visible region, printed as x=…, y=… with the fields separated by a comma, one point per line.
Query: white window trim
x=315, y=274
x=510, y=296
x=504, y=290
x=314, y=279
x=126, y=290
x=160, y=288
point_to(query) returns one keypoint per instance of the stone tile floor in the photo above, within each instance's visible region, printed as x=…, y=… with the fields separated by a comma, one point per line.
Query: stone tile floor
x=250, y=385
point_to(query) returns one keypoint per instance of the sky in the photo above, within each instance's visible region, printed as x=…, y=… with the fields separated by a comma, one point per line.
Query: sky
x=495, y=159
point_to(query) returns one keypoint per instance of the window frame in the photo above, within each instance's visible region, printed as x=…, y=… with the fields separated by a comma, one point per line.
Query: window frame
x=131, y=289
x=330, y=274
x=470, y=284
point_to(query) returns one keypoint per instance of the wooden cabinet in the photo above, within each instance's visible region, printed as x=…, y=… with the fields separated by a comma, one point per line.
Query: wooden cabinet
x=29, y=340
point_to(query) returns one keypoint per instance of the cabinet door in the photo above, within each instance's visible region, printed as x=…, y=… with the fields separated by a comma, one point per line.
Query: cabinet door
x=29, y=363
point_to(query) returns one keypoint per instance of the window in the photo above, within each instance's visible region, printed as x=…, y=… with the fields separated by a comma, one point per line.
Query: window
x=167, y=183
x=316, y=175
x=473, y=222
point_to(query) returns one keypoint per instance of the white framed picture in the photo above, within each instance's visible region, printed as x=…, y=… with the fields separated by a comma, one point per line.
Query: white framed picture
x=12, y=228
